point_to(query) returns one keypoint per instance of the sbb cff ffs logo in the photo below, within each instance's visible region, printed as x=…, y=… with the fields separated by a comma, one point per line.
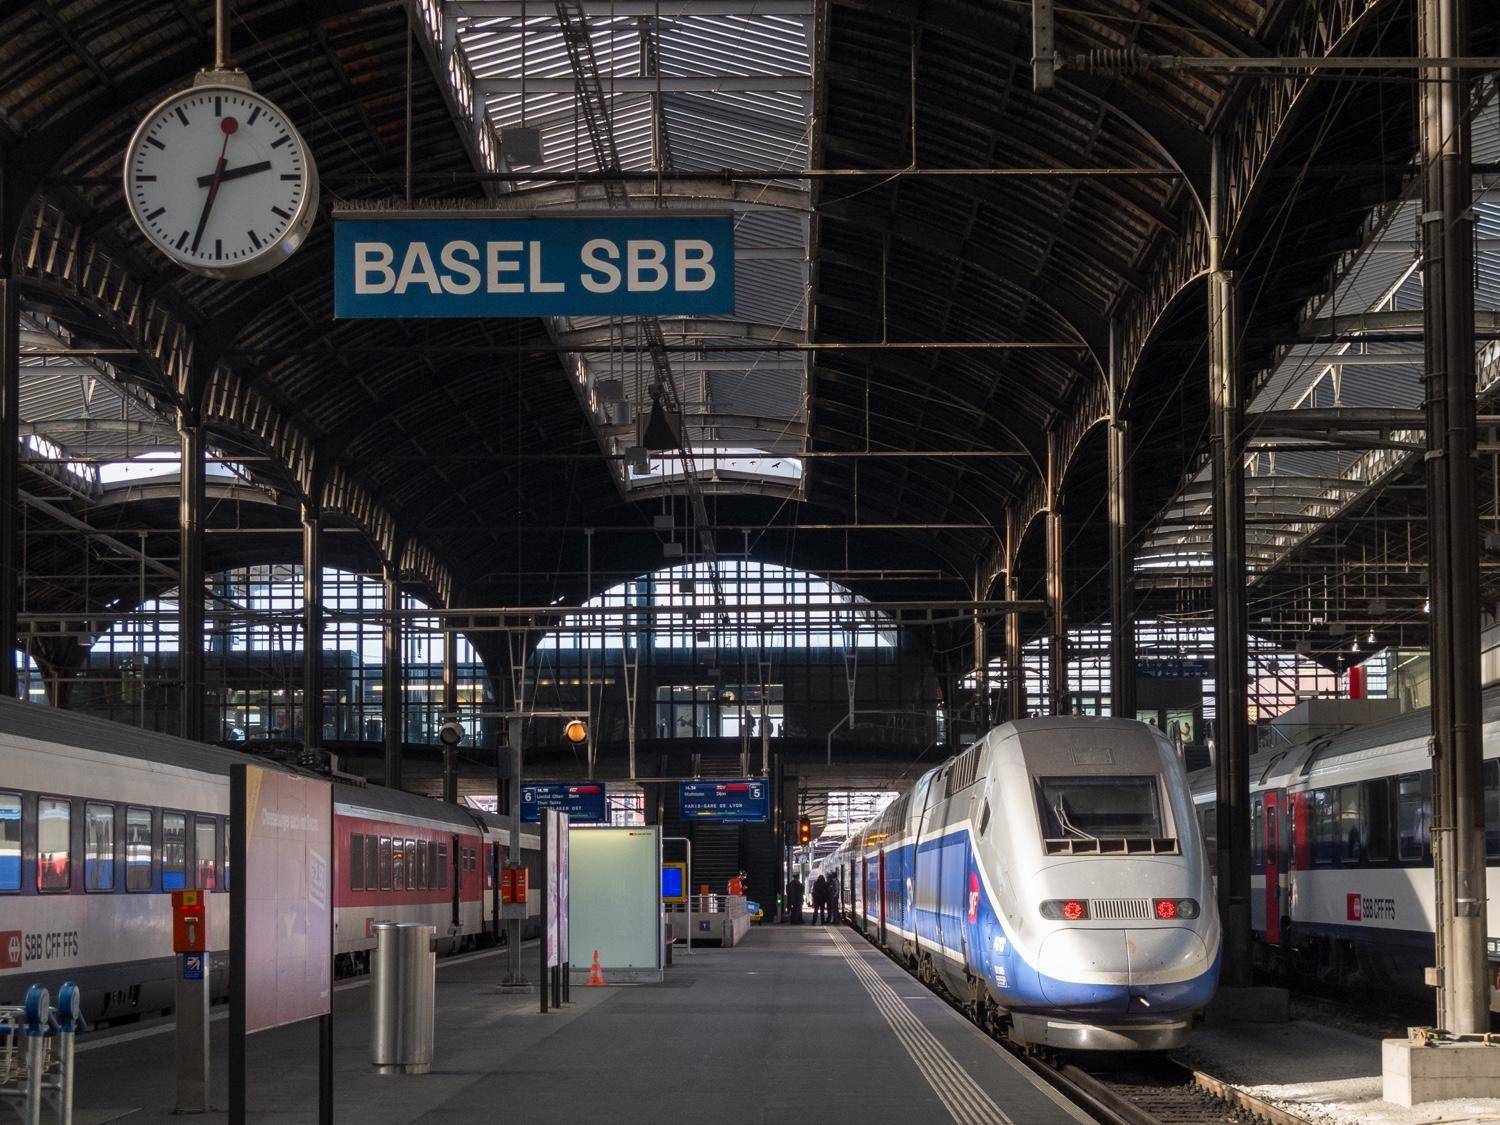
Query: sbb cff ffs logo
x=1356, y=908
x=10, y=949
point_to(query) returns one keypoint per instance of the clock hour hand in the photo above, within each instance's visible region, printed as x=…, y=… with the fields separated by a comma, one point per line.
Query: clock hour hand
x=235, y=173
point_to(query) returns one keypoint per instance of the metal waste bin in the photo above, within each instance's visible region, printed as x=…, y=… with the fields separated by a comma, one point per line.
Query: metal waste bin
x=403, y=971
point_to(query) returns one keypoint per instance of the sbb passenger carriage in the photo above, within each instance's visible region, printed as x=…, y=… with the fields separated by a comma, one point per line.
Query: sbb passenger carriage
x=1341, y=850
x=99, y=822
x=1052, y=877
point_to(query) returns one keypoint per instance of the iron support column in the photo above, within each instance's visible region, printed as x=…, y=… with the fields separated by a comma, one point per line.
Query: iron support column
x=1057, y=624
x=1121, y=550
x=10, y=485
x=391, y=686
x=1452, y=512
x=450, y=711
x=981, y=660
x=513, y=973
x=190, y=573
x=1231, y=646
x=1015, y=679
x=312, y=626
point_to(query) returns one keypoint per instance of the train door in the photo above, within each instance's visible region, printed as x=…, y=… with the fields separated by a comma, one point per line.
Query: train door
x=455, y=855
x=880, y=863
x=1272, y=828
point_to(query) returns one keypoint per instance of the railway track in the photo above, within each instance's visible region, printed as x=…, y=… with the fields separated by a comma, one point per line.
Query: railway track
x=1134, y=1089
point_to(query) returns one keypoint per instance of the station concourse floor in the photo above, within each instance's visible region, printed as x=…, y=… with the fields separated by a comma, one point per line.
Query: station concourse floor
x=803, y=1024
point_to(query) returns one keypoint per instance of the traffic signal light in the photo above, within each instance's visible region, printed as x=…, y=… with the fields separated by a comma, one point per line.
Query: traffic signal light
x=804, y=831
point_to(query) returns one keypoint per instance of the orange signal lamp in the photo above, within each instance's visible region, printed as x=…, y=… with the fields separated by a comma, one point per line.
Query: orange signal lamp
x=576, y=731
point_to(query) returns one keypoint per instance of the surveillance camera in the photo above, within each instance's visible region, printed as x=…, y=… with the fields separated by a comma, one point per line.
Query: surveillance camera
x=451, y=733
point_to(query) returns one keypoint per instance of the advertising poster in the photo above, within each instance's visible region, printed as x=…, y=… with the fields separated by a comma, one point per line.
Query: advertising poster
x=551, y=829
x=564, y=822
x=288, y=885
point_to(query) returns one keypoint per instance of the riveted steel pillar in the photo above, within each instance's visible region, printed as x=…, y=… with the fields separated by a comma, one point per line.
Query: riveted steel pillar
x=1015, y=678
x=1231, y=644
x=312, y=626
x=1121, y=550
x=10, y=485
x=391, y=683
x=1453, y=520
x=450, y=710
x=1057, y=622
x=981, y=659
x=190, y=507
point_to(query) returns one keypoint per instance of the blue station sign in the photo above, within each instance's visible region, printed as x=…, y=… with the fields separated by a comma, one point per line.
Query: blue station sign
x=732, y=802
x=583, y=801
x=494, y=264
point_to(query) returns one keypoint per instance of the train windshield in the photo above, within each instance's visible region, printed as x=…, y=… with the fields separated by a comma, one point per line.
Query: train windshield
x=1094, y=808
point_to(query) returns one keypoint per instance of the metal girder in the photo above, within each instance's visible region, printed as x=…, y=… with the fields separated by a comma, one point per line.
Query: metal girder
x=535, y=10
x=645, y=84
x=1329, y=329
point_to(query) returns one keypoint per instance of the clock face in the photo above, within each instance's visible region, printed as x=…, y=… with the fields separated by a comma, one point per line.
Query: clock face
x=221, y=181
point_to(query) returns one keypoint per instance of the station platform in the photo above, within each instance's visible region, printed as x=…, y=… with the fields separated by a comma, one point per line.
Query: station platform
x=799, y=1023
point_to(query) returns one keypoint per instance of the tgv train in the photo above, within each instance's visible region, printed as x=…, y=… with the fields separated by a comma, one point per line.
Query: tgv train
x=1341, y=850
x=99, y=822
x=1052, y=877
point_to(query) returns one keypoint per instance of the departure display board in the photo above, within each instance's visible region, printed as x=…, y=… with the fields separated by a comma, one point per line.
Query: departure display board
x=727, y=801
x=582, y=801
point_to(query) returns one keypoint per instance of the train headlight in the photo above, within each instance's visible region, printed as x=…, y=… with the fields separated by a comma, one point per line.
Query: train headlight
x=1065, y=909
x=1170, y=909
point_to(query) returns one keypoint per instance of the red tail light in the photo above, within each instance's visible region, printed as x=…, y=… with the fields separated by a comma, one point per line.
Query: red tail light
x=1075, y=910
x=1172, y=909
x=1166, y=908
x=1065, y=909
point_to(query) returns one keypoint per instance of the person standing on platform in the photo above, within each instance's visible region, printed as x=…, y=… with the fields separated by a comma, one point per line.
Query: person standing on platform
x=820, y=900
x=794, y=900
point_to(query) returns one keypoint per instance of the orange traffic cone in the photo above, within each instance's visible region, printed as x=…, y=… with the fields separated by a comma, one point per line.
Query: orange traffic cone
x=596, y=974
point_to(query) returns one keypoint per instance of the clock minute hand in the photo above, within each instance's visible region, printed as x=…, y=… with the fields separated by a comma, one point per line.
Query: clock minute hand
x=228, y=125
x=235, y=173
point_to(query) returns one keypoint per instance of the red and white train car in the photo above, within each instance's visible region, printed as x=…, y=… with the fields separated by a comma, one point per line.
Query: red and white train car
x=100, y=822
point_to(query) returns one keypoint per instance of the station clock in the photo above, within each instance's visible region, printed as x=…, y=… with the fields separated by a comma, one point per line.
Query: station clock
x=219, y=180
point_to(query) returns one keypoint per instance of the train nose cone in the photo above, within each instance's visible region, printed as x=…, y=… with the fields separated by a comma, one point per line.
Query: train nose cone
x=1085, y=968
x=1172, y=963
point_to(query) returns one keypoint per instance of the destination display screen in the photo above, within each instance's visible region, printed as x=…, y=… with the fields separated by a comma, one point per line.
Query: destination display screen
x=728, y=801
x=582, y=801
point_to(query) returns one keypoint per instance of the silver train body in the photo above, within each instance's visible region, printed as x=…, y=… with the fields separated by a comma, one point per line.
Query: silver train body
x=1051, y=877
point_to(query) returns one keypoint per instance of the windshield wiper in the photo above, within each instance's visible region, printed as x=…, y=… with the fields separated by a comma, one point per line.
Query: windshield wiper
x=1059, y=810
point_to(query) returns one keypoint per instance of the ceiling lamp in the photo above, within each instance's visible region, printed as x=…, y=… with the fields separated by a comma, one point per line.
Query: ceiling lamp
x=662, y=431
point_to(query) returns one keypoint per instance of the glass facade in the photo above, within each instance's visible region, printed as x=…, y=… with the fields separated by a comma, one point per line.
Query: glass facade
x=254, y=663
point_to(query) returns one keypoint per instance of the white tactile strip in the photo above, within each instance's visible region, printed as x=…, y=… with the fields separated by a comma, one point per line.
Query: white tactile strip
x=966, y=1101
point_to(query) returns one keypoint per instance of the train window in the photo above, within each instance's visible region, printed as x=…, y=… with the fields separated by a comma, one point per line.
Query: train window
x=98, y=847
x=54, y=857
x=1352, y=846
x=1413, y=817
x=1257, y=835
x=422, y=873
x=138, y=825
x=432, y=864
x=984, y=818
x=1325, y=826
x=442, y=867
x=356, y=862
x=372, y=863
x=398, y=865
x=10, y=841
x=1377, y=820
x=173, y=851
x=411, y=865
x=385, y=863
x=1099, y=807
x=206, y=846
x=1492, y=808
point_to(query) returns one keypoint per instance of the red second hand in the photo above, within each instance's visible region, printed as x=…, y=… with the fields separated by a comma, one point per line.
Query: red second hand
x=229, y=125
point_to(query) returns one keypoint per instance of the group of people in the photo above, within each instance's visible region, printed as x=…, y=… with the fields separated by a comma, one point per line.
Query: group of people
x=824, y=899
